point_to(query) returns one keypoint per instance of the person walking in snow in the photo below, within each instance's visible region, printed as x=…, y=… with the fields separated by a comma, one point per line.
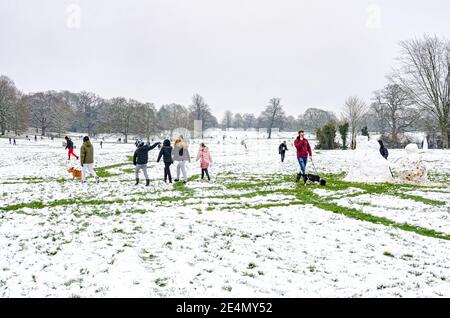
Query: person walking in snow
x=101, y=144
x=69, y=145
x=282, y=148
x=140, y=159
x=87, y=160
x=10, y=140
x=166, y=154
x=383, y=150
x=303, y=150
x=181, y=156
x=205, y=160
x=14, y=141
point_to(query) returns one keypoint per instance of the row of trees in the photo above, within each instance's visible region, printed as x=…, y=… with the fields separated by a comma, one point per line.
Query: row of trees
x=273, y=116
x=89, y=113
x=415, y=98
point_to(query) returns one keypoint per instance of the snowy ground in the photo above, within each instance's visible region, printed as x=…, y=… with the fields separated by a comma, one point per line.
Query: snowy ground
x=251, y=232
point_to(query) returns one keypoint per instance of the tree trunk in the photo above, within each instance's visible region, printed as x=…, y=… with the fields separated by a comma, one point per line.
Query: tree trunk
x=125, y=140
x=43, y=131
x=444, y=129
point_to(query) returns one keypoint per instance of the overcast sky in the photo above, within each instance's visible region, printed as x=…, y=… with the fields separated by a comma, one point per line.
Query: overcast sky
x=236, y=53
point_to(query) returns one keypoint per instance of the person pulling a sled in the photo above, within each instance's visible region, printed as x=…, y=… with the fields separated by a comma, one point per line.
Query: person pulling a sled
x=303, y=150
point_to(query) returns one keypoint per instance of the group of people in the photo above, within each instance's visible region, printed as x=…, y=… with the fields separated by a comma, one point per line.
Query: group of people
x=178, y=154
x=86, y=157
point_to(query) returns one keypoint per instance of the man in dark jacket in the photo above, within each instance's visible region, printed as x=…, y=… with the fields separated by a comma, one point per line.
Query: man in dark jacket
x=140, y=159
x=166, y=154
x=303, y=150
x=383, y=150
x=69, y=145
x=282, y=148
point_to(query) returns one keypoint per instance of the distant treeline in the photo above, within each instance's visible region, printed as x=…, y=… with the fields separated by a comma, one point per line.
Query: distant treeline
x=416, y=97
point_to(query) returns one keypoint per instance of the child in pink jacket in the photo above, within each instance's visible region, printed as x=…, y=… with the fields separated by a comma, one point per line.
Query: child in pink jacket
x=205, y=160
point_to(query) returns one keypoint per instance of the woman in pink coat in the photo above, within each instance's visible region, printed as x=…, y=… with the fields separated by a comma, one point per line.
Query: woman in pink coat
x=205, y=160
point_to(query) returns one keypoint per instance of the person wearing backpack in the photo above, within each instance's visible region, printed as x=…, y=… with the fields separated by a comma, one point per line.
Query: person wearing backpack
x=181, y=156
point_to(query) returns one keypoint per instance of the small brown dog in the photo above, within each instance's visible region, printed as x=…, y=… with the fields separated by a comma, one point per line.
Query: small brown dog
x=75, y=172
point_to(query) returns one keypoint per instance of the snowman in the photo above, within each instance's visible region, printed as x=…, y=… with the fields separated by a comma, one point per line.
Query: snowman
x=367, y=163
x=411, y=167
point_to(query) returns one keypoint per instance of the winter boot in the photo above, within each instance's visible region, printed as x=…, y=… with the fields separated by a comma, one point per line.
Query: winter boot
x=297, y=178
x=137, y=181
x=147, y=182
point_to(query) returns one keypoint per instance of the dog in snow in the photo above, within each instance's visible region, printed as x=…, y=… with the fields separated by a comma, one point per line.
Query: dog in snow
x=75, y=172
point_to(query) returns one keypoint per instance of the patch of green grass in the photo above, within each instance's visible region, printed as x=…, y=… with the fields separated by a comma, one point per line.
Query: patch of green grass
x=73, y=281
x=161, y=282
x=386, y=253
x=103, y=172
x=251, y=265
x=183, y=188
x=227, y=288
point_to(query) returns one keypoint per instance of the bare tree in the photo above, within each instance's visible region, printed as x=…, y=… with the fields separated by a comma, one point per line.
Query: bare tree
x=249, y=121
x=63, y=114
x=173, y=116
x=121, y=115
x=396, y=109
x=238, y=121
x=227, y=120
x=43, y=107
x=8, y=92
x=88, y=112
x=146, y=120
x=19, y=115
x=200, y=110
x=354, y=112
x=424, y=73
x=315, y=118
x=272, y=115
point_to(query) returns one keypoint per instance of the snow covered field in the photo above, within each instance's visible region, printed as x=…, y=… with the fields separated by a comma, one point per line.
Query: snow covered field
x=252, y=232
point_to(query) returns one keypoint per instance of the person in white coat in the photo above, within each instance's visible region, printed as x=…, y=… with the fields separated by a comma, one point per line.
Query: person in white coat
x=181, y=157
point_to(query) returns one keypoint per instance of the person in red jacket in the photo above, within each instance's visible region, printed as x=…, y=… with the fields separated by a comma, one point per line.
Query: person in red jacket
x=69, y=145
x=303, y=150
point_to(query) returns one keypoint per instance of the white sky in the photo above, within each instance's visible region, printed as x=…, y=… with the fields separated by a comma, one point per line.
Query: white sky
x=236, y=53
